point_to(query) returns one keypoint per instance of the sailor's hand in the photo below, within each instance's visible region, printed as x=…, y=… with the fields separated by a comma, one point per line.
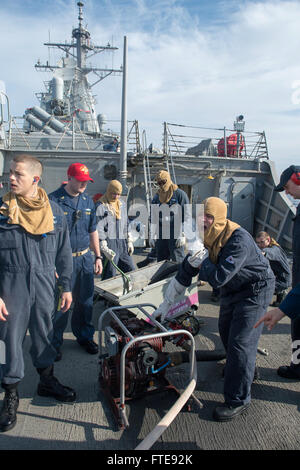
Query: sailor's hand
x=3, y=310
x=196, y=259
x=107, y=252
x=110, y=254
x=270, y=318
x=161, y=311
x=130, y=247
x=173, y=291
x=152, y=243
x=98, y=266
x=66, y=300
x=180, y=241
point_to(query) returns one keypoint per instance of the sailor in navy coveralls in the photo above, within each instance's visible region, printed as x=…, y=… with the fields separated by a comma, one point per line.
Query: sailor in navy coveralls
x=290, y=183
x=289, y=307
x=278, y=262
x=34, y=244
x=246, y=281
x=112, y=226
x=79, y=210
x=175, y=200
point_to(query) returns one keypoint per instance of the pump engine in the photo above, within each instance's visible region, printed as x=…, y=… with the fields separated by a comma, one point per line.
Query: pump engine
x=145, y=361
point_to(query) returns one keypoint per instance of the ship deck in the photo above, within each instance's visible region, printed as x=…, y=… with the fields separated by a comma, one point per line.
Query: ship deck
x=272, y=422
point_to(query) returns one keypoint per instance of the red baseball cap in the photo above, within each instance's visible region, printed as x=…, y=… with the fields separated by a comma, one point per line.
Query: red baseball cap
x=80, y=172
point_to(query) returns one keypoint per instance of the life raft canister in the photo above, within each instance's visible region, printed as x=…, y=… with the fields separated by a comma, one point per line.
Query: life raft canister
x=231, y=145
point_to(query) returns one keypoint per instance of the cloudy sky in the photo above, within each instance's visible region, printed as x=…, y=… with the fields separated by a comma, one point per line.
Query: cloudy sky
x=191, y=62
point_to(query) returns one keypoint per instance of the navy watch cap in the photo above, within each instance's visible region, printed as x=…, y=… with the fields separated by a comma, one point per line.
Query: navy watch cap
x=285, y=176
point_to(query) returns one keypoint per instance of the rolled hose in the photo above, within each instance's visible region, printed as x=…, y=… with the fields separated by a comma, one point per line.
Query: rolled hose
x=177, y=358
x=152, y=437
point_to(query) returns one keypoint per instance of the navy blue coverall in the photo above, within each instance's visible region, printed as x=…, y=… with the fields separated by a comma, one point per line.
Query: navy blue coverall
x=27, y=286
x=296, y=249
x=80, y=214
x=166, y=248
x=246, y=284
x=290, y=305
x=295, y=324
x=115, y=232
x=280, y=267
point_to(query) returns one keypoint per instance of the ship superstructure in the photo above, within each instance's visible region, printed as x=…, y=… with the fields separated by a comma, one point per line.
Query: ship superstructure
x=232, y=164
x=68, y=99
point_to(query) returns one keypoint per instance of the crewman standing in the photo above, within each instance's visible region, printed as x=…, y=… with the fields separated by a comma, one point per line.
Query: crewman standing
x=79, y=210
x=278, y=262
x=290, y=183
x=112, y=226
x=174, y=199
x=34, y=244
x=246, y=281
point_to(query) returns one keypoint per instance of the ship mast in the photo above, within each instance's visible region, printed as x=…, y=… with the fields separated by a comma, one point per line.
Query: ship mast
x=83, y=46
x=69, y=92
x=82, y=37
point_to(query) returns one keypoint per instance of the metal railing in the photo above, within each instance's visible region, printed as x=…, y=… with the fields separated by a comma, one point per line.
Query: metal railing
x=73, y=138
x=180, y=140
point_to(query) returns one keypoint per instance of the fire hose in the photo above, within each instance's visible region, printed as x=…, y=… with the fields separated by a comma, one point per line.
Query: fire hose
x=155, y=434
x=126, y=279
x=180, y=357
x=127, y=375
x=159, y=429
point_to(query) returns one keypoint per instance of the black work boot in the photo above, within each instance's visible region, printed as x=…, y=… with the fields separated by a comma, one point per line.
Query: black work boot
x=227, y=412
x=279, y=298
x=8, y=414
x=49, y=386
x=145, y=262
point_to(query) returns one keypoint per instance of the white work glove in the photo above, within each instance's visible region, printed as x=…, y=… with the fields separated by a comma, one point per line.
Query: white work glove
x=110, y=254
x=197, y=258
x=180, y=241
x=152, y=243
x=174, y=290
x=130, y=247
x=130, y=244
